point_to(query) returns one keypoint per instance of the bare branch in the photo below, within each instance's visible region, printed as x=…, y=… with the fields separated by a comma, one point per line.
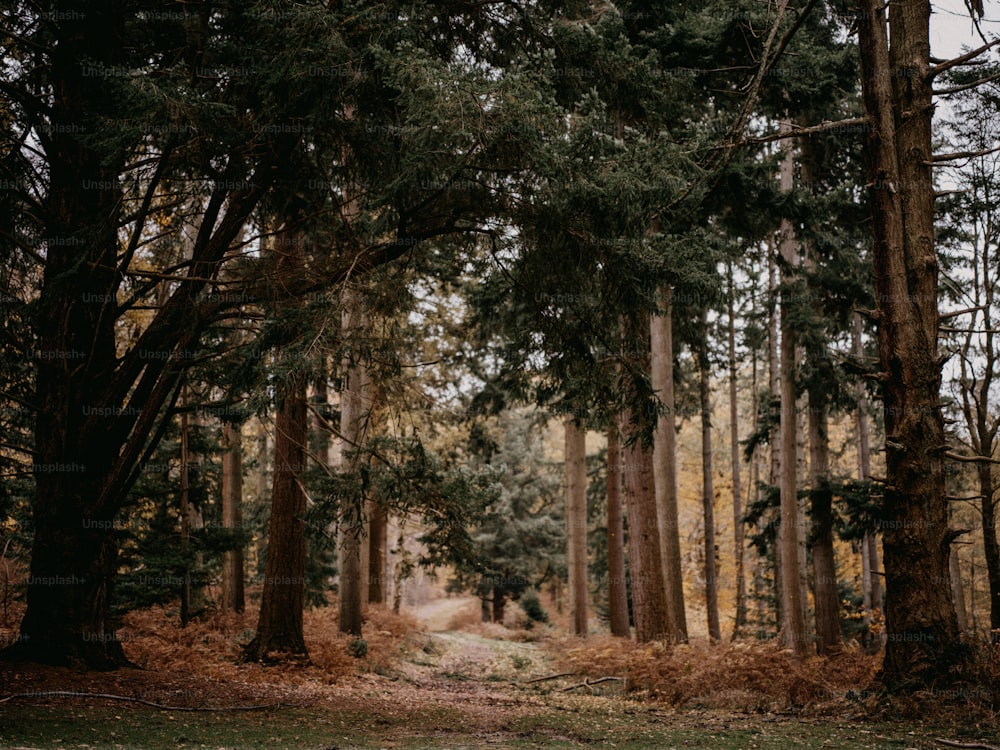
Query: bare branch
x=962, y=59
x=795, y=132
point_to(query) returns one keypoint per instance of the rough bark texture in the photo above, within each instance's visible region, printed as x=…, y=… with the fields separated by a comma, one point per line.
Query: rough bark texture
x=617, y=585
x=923, y=648
x=665, y=468
x=232, y=516
x=649, y=606
x=708, y=488
x=74, y=555
x=575, y=465
x=793, y=629
x=279, y=627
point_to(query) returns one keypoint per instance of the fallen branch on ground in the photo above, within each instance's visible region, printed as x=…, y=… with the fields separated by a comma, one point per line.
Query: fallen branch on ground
x=587, y=683
x=550, y=677
x=967, y=745
x=110, y=696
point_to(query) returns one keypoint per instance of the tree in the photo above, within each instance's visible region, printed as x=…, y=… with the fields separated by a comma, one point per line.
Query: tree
x=665, y=466
x=576, y=523
x=793, y=627
x=649, y=605
x=971, y=236
x=923, y=648
x=707, y=490
x=279, y=625
x=232, y=515
x=740, y=618
x=617, y=586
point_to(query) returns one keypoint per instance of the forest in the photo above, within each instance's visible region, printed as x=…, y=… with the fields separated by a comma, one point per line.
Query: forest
x=509, y=372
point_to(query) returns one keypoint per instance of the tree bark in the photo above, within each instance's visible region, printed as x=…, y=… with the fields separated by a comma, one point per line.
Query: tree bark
x=740, y=617
x=871, y=585
x=232, y=516
x=923, y=649
x=279, y=627
x=793, y=630
x=74, y=552
x=707, y=485
x=665, y=467
x=649, y=606
x=378, y=543
x=617, y=586
x=825, y=590
x=575, y=464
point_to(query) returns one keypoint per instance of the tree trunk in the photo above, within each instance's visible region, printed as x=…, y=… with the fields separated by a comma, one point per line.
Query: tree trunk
x=499, y=605
x=707, y=485
x=354, y=409
x=923, y=649
x=774, y=409
x=665, y=468
x=871, y=585
x=617, y=586
x=825, y=591
x=575, y=460
x=74, y=549
x=378, y=544
x=740, y=617
x=955, y=572
x=649, y=606
x=232, y=516
x=794, y=632
x=279, y=627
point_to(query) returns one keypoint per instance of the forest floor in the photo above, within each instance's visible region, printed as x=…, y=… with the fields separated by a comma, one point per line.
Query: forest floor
x=449, y=686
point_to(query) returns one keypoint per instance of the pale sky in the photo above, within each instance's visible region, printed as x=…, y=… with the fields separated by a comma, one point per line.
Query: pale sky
x=952, y=28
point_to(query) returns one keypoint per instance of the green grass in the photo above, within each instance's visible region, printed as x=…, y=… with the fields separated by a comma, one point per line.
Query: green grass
x=324, y=728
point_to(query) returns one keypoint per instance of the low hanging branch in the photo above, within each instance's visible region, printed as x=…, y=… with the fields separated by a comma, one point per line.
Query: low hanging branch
x=161, y=706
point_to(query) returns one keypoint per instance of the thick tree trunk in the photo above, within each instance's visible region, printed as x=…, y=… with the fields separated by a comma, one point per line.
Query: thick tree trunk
x=74, y=553
x=232, y=516
x=279, y=627
x=617, y=585
x=923, y=649
x=649, y=606
x=707, y=486
x=740, y=616
x=793, y=630
x=575, y=464
x=825, y=590
x=665, y=468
